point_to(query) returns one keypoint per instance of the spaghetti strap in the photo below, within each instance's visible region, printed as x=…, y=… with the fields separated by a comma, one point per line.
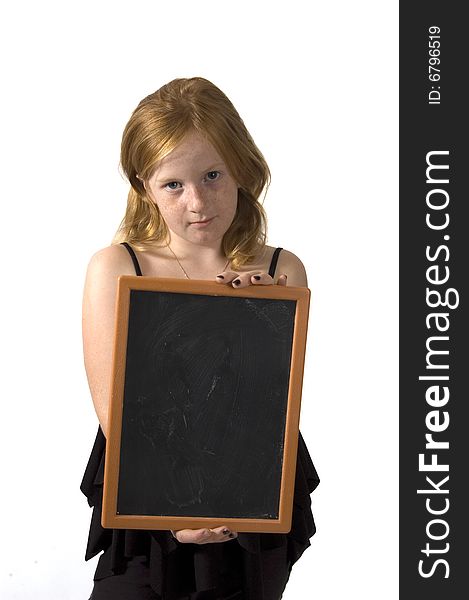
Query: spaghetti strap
x=273, y=262
x=133, y=257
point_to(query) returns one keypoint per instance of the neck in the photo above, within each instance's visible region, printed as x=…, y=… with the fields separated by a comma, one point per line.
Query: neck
x=203, y=255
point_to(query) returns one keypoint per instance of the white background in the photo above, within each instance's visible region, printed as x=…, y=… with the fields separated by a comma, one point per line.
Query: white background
x=316, y=84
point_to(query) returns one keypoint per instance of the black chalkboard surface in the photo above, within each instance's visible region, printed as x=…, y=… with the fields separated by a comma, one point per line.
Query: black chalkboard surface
x=205, y=405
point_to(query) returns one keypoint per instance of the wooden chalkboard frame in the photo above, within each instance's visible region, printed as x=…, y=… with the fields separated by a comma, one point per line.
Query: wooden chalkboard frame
x=282, y=524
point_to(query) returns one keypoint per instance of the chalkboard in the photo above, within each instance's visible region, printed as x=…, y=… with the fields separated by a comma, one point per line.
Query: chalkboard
x=205, y=405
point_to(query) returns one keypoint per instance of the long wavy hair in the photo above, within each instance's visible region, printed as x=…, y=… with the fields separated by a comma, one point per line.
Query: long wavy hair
x=156, y=127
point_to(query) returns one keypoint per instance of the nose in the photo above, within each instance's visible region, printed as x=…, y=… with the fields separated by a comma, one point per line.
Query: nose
x=196, y=200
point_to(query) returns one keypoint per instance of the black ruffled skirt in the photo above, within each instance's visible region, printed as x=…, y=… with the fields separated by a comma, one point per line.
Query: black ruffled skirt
x=257, y=563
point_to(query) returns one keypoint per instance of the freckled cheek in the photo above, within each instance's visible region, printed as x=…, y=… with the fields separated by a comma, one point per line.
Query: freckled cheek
x=228, y=197
x=171, y=214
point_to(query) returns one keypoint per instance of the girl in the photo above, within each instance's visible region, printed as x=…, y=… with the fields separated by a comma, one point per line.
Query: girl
x=193, y=211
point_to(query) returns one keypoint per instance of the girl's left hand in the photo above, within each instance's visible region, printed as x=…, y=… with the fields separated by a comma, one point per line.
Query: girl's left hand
x=240, y=280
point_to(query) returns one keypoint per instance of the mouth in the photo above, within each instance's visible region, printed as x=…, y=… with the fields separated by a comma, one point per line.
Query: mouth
x=202, y=222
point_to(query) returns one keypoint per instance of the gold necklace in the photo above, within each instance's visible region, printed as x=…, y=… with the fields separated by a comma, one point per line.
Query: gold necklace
x=183, y=269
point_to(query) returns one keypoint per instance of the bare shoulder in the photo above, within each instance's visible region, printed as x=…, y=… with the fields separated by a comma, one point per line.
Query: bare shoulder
x=292, y=266
x=112, y=261
x=102, y=275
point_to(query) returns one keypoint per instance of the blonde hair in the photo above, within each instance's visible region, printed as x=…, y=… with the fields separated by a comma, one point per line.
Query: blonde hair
x=156, y=127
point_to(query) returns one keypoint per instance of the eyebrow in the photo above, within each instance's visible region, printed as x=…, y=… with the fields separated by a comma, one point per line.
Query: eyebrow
x=211, y=167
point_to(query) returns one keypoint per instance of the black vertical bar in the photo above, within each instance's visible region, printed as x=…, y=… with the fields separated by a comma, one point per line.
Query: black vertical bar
x=434, y=269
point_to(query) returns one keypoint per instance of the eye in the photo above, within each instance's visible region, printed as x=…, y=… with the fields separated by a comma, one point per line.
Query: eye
x=172, y=185
x=213, y=175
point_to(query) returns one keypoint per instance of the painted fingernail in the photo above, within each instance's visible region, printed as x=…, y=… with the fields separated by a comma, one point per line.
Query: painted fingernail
x=220, y=277
x=257, y=277
x=236, y=282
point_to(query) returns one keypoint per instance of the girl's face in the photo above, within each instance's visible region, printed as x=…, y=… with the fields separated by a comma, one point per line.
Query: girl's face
x=194, y=191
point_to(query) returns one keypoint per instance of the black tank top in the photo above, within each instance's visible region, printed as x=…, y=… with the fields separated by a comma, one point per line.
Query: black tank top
x=273, y=262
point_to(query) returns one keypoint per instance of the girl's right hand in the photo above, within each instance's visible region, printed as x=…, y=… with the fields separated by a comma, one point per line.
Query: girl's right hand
x=204, y=536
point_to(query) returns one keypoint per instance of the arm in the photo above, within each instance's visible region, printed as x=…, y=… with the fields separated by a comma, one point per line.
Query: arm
x=99, y=298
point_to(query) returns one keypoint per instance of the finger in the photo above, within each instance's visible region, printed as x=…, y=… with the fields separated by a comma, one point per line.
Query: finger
x=245, y=279
x=261, y=279
x=224, y=533
x=282, y=280
x=226, y=276
x=231, y=535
